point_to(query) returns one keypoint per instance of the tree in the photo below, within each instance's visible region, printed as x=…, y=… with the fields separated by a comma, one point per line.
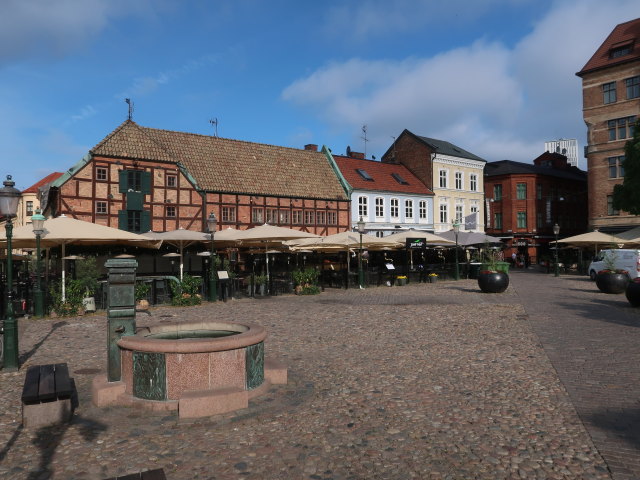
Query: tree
x=627, y=195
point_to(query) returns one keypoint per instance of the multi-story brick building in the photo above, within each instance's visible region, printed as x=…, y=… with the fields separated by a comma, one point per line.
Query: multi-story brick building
x=141, y=179
x=30, y=199
x=453, y=174
x=611, y=104
x=524, y=201
x=387, y=196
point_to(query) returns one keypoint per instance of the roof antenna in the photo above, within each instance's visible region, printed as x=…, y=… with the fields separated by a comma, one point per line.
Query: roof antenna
x=130, y=103
x=364, y=137
x=214, y=122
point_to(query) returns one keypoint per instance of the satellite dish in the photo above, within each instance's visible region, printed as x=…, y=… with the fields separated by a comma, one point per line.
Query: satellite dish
x=348, y=151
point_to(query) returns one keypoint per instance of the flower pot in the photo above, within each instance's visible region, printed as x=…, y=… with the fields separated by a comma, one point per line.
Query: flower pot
x=142, y=305
x=633, y=293
x=493, y=282
x=610, y=282
x=401, y=281
x=433, y=279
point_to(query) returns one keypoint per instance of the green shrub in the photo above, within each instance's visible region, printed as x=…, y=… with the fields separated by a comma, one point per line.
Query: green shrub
x=186, y=292
x=308, y=276
x=74, y=292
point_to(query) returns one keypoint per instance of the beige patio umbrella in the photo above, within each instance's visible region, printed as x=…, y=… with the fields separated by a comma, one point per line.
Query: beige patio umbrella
x=63, y=231
x=630, y=236
x=594, y=238
x=180, y=239
x=270, y=236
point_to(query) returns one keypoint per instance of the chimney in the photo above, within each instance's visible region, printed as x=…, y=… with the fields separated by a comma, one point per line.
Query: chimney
x=358, y=155
x=311, y=147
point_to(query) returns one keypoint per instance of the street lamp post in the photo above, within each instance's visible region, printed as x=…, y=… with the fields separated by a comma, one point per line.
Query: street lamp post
x=556, y=231
x=361, y=225
x=37, y=221
x=456, y=230
x=9, y=198
x=211, y=224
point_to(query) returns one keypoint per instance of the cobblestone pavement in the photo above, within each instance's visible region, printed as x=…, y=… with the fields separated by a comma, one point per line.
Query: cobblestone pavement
x=422, y=381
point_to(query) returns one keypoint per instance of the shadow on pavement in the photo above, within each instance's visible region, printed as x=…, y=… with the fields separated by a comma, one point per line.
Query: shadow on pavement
x=623, y=424
x=27, y=355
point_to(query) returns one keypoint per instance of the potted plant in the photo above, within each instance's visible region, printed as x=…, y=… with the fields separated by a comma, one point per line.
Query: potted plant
x=633, y=292
x=87, y=277
x=306, y=281
x=401, y=280
x=260, y=281
x=141, y=292
x=490, y=278
x=611, y=279
x=432, y=277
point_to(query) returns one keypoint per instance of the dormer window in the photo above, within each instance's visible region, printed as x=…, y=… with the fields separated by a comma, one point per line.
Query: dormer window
x=620, y=50
x=363, y=173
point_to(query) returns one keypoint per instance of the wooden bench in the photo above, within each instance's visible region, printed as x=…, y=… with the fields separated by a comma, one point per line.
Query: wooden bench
x=47, y=395
x=148, y=475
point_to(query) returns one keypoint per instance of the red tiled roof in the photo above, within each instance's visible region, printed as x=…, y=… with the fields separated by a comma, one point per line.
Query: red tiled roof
x=627, y=33
x=48, y=179
x=382, y=175
x=224, y=165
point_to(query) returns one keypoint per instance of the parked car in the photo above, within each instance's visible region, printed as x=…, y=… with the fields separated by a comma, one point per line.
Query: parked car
x=623, y=259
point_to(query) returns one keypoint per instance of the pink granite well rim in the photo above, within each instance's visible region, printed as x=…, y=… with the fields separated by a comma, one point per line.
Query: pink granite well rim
x=248, y=334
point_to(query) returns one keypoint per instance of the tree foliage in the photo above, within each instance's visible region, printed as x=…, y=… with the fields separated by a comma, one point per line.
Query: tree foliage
x=627, y=195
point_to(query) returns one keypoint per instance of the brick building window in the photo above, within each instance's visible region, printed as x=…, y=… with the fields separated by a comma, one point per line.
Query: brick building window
x=616, y=170
x=422, y=210
x=497, y=192
x=539, y=191
x=171, y=211
x=29, y=208
x=497, y=220
x=134, y=221
x=522, y=219
x=408, y=209
x=395, y=208
x=101, y=208
x=272, y=216
x=363, y=207
x=101, y=174
x=379, y=207
x=521, y=191
x=621, y=128
x=309, y=217
x=332, y=218
x=458, y=180
x=228, y=214
x=539, y=220
x=257, y=215
x=633, y=87
x=296, y=217
x=321, y=218
x=609, y=92
x=172, y=181
x=444, y=214
x=610, y=210
x=285, y=217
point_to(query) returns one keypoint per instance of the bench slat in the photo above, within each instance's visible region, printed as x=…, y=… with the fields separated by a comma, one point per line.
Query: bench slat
x=64, y=389
x=47, y=385
x=31, y=382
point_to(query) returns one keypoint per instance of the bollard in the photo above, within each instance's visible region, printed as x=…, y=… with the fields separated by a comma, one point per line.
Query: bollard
x=121, y=310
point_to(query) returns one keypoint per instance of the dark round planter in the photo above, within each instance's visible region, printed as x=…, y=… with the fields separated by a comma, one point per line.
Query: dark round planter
x=493, y=282
x=633, y=293
x=608, y=282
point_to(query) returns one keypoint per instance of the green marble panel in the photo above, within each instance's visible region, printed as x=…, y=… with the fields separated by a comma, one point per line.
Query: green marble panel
x=149, y=376
x=254, y=364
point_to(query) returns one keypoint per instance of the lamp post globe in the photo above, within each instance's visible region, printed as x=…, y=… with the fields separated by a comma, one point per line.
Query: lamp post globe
x=361, y=225
x=9, y=198
x=556, y=231
x=456, y=231
x=37, y=221
x=212, y=222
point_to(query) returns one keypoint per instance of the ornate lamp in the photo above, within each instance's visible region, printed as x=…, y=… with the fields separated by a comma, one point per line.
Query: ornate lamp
x=212, y=221
x=456, y=231
x=361, y=230
x=37, y=221
x=556, y=231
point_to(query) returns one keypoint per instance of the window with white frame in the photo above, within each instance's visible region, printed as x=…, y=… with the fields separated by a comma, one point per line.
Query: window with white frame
x=309, y=217
x=321, y=217
x=444, y=214
x=171, y=211
x=101, y=208
x=408, y=209
x=458, y=180
x=473, y=182
x=459, y=212
x=363, y=207
x=228, y=214
x=285, y=217
x=296, y=217
x=379, y=207
x=272, y=216
x=422, y=210
x=443, y=179
x=257, y=215
x=101, y=174
x=332, y=218
x=395, y=208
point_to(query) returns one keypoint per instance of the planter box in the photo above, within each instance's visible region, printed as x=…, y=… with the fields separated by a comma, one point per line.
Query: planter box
x=613, y=283
x=493, y=282
x=401, y=281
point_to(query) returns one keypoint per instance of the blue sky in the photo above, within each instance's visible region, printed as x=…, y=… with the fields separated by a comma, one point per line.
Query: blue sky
x=496, y=77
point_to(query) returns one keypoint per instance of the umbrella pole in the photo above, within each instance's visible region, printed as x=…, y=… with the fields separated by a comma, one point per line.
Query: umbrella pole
x=181, y=264
x=266, y=254
x=348, y=270
x=64, y=297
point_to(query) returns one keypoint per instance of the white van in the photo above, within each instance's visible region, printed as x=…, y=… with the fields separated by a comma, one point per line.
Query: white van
x=623, y=259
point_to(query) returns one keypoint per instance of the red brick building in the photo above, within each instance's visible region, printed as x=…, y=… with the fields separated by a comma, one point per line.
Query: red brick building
x=524, y=201
x=141, y=179
x=611, y=104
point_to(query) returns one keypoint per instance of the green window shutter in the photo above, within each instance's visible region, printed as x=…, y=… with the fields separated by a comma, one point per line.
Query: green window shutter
x=122, y=179
x=145, y=221
x=146, y=183
x=122, y=220
x=135, y=200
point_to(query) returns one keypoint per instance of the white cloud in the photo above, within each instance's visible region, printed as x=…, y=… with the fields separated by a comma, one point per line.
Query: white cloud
x=494, y=101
